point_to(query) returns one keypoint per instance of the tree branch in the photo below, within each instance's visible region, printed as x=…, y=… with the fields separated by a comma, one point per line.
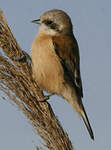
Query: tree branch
x=17, y=82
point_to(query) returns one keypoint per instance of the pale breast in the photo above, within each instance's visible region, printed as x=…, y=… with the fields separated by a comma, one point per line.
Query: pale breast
x=47, y=69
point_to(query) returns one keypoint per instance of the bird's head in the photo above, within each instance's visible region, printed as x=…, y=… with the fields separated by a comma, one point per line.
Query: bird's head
x=54, y=22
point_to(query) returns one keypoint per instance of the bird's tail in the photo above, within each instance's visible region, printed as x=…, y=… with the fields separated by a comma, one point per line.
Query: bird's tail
x=76, y=103
x=79, y=108
x=86, y=121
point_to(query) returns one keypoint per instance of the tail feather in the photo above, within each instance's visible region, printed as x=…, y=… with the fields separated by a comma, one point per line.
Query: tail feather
x=79, y=108
x=75, y=101
x=86, y=121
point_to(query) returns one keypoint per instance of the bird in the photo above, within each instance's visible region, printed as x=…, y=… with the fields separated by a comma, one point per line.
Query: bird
x=56, y=60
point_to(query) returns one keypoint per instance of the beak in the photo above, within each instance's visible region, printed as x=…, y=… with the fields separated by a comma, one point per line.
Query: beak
x=36, y=21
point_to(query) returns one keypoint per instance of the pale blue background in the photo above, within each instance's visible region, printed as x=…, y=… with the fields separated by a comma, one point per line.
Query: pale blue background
x=92, y=28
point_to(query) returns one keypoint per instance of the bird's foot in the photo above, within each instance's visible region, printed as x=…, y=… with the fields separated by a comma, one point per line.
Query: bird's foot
x=45, y=98
x=24, y=58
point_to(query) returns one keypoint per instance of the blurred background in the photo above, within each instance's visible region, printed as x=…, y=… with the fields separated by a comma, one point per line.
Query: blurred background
x=92, y=29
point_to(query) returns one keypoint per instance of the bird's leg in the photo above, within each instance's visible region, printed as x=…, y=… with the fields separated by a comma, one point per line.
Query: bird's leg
x=45, y=98
x=20, y=59
x=24, y=58
x=50, y=95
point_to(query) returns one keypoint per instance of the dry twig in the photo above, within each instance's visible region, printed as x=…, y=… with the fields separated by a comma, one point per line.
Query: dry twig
x=16, y=81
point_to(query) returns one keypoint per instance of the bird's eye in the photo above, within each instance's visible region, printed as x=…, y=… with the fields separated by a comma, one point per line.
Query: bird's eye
x=48, y=22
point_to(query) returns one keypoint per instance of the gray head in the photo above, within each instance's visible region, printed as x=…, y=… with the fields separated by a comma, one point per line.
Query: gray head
x=55, y=22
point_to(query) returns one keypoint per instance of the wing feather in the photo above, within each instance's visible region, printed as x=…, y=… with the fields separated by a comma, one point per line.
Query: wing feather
x=66, y=48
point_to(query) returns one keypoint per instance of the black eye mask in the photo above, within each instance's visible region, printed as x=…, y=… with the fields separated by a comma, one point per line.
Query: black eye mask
x=51, y=24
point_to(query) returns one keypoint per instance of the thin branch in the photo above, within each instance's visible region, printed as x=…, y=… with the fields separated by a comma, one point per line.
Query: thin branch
x=17, y=82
